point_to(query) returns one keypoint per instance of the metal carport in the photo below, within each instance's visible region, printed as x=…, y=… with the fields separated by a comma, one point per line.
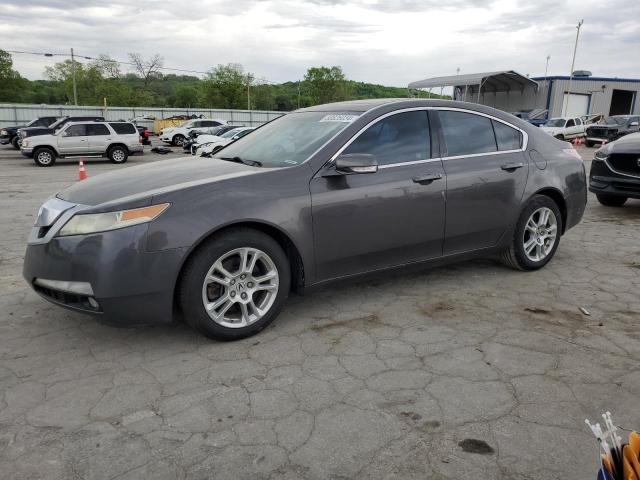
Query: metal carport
x=475, y=84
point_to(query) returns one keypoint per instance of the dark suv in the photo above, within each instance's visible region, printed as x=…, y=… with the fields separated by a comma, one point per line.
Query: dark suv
x=612, y=129
x=10, y=134
x=615, y=171
x=53, y=128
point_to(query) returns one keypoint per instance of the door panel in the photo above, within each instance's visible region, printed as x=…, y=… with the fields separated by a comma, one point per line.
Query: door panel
x=75, y=141
x=99, y=137
x=485, y=180
x=363, y=222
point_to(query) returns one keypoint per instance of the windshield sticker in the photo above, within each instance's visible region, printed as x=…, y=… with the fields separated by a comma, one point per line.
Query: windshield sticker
x=334, y=117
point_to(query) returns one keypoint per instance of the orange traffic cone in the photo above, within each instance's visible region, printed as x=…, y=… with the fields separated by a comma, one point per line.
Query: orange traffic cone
x=82, y=174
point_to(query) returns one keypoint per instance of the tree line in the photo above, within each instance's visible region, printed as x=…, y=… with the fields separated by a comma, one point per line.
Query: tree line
x=224, y=86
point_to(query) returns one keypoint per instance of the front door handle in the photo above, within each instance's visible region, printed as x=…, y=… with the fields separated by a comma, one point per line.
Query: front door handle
x=510, y=167
x=428, y=178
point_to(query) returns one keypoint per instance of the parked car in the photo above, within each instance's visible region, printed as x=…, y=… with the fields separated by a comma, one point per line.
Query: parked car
x=144, y=134
x=177, y=135
x=209, y=147
x=320, y=194
x=612, y=129
x=536, y=116
x=615, y=171
x=10, y=134
x=565, y=128
x=115, y=140
x=54, y=127
x=196, y=132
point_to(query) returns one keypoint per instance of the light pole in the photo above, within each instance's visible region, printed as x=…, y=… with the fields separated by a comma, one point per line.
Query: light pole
x=546, y=69
x=573, y=61
x=73, y=76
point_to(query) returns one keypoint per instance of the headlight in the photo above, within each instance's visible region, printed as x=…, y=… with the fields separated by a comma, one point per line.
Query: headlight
x=25, y=143
x=3, y=132
x=82, y=224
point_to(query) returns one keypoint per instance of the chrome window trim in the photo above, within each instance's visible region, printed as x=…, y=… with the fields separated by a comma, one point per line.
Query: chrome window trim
x=524, y=141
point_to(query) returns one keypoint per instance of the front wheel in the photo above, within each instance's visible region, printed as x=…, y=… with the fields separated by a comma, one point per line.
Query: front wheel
x=16, y=142
x=235, y=284
x=44, y=157
x=178, y=140
x=611, y=200
x=536, y=236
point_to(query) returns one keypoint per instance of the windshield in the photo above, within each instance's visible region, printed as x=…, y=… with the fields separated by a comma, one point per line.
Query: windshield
x=56, y=125
x=31, y=123
x=555, y=122
x=288, y=140
x=230, y=133
x=616, y=120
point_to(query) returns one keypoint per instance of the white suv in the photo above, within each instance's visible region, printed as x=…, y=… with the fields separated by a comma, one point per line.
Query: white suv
x=177, y=135
x=565, y=128
x=115, y=140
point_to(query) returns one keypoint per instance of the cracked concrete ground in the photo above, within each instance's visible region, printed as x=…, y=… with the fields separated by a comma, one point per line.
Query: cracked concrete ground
x=471, y=371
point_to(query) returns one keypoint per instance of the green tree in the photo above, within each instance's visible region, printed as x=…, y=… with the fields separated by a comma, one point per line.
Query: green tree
x=226, y=87
x=326, y=84
x=11, y=83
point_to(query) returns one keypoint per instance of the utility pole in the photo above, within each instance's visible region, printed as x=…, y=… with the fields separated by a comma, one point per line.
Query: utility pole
x=546, y=69
x=73, y=76
x=248, y=92
x=573, y=61
x=298, y=93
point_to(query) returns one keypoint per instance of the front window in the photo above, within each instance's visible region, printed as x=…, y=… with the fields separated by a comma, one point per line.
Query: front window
x=79, y=130
x=288, y=140
x=230, y=133
x=399, y=138
x=571, y=123
x=555, y=123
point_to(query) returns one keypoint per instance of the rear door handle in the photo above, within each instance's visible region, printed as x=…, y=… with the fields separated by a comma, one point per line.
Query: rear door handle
x=510, y=167
x=428, y=178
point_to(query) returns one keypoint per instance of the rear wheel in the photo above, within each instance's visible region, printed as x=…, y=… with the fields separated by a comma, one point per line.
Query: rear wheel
x=235, y=284
x=44, y=157
x=178, y=140
x=611, y=200
x=118, y=154
x=536, y=236
x=16, y=142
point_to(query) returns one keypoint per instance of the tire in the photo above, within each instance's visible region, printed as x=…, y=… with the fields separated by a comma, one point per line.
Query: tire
x=44, y=157
x=118, y=154
x=16, y=142
x=226, y=249
x=517, y=255
x=589, y=144
x=178, y=140
x=611, y=200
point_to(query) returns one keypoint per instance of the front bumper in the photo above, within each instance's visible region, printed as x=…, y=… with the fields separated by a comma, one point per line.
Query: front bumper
x=119, y=280
x=603, y=181
x=5, y=139
x=27, y=152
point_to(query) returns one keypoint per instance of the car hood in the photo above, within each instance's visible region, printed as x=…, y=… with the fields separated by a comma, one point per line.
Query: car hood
x=627, y=144
x=552, y=129
x=143, y=181
x=33, y=131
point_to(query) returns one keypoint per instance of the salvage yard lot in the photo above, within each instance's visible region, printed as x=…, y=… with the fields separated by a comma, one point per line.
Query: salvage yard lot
x=467, y=371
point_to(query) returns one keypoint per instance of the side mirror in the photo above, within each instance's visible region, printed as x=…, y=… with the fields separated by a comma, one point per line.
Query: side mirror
x=356, y=163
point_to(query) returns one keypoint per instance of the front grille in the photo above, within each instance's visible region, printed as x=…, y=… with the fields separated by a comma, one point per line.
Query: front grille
x=627, y=163
x=601, y=132
x=73, y=300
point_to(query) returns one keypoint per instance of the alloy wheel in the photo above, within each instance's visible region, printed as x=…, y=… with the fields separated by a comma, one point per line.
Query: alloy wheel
x=118, y=155
x=240, y=287
x=540, y=234
x=45, y=158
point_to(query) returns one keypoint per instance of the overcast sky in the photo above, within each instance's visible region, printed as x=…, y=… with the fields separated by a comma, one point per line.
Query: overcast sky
x=387, y=42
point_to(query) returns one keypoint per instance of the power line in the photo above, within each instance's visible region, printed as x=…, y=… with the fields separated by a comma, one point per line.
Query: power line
x=120, y=62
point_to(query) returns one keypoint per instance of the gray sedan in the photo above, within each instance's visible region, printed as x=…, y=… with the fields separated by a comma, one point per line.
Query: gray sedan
x=320, y=194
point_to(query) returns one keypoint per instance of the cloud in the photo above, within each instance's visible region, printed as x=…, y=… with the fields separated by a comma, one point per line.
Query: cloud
x=386, y=42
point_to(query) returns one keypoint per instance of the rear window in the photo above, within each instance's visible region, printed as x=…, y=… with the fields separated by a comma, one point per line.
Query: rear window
x=507, y=138
x=466, y=133
x=123, y=128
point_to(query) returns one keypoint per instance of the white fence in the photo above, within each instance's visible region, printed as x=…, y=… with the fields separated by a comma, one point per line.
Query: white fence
x=20, y=114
